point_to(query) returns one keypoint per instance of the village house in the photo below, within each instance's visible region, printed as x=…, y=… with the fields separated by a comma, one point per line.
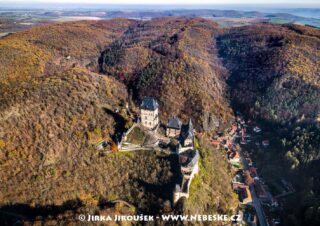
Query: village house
x=237, y=185
x=243, y=192
x=149, y=110
x=233, y=130
x=216, y=142
x=173, y=127
x=234, y=158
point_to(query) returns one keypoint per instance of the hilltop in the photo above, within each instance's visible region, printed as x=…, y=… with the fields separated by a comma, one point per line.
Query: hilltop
x=51, y=48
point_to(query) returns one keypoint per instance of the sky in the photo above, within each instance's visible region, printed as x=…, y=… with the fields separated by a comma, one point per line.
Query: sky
x=169, y=2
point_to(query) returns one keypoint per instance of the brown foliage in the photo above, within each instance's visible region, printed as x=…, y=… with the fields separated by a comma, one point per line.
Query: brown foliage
x=43, y=49
x=271, y=67
x=174, y=60
x=114, y=147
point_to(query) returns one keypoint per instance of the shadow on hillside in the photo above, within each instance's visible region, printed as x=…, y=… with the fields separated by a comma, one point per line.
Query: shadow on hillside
x=120, y=123
x=163, y=190
x=15, y=213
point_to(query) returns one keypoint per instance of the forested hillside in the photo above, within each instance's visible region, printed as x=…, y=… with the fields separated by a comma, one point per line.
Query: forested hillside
x=55, y=106
x=174, y=60
x=51, y=48
x=45, y=140
x=274, y=70
x=302, y=154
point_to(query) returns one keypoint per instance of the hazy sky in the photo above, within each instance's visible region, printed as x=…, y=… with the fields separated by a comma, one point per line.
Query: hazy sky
x=183, y=2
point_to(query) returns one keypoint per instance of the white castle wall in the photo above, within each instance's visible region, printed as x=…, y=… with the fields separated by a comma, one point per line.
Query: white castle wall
x=149, y=119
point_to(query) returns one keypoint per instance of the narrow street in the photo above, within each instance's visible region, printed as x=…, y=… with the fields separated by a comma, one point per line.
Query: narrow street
x=256, y=201
x=258, y=207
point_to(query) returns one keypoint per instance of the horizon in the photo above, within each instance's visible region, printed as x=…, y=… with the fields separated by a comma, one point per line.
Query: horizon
x=302, y=10
x=150, y=6
x=168, y=3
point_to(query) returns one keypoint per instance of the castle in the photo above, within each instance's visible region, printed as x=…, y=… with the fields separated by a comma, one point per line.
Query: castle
x=188, y=155
x=188, y=160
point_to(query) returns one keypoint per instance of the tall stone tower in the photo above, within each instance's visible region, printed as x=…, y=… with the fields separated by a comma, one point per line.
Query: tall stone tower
x=149, y=113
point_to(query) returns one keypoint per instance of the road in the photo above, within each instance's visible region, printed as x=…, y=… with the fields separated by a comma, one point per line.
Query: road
x=256, y=201
x=258, y=207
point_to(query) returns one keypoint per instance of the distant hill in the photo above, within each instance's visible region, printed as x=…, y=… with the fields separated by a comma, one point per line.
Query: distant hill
x=12, y=19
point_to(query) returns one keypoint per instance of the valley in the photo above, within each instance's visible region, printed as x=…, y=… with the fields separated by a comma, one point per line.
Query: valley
x=68, y=87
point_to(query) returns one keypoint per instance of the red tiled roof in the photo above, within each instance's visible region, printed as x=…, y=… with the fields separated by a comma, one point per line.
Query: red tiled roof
x=215, y=142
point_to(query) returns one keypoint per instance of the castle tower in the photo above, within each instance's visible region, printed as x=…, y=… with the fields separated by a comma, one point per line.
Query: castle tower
x=149, y=113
